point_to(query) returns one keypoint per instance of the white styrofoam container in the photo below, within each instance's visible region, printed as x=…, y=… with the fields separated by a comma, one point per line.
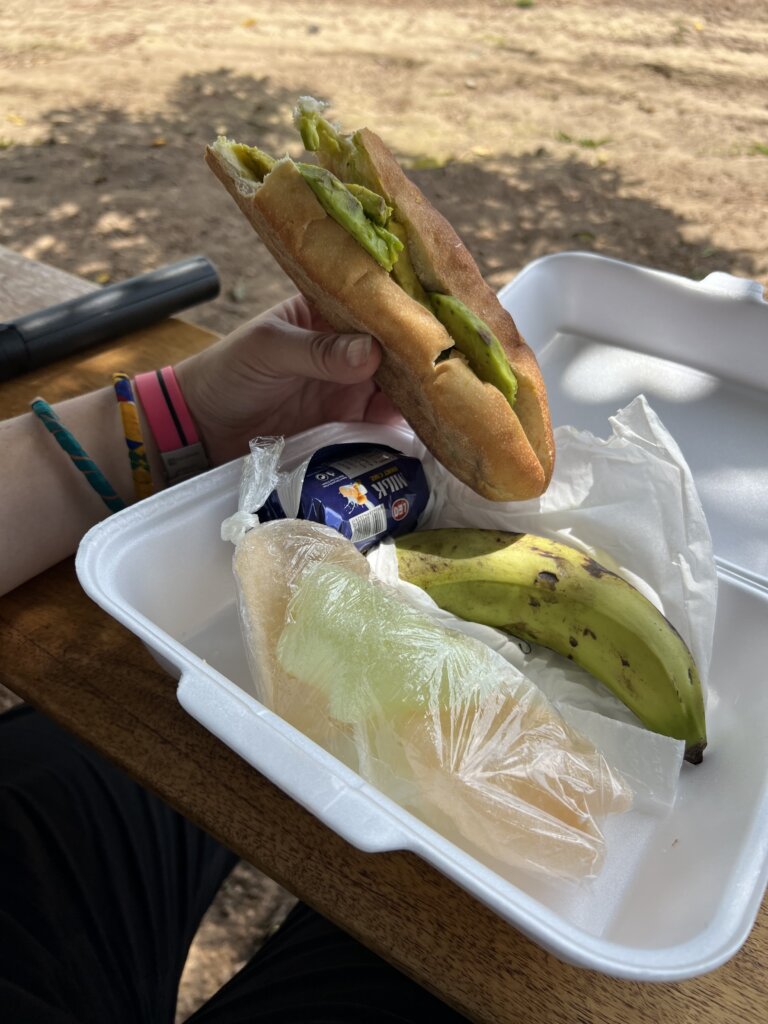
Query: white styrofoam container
x=603, y=331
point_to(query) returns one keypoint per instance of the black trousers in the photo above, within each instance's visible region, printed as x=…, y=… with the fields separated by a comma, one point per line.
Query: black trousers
x=102, y=888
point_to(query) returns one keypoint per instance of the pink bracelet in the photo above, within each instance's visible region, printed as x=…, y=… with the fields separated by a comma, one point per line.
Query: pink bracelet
x=171, y=424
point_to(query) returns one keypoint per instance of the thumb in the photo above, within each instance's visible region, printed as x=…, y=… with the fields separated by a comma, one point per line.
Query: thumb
x=287, y=350
x=345, y=358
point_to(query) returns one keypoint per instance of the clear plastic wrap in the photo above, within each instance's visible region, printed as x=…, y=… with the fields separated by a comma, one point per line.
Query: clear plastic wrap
x=435, y=719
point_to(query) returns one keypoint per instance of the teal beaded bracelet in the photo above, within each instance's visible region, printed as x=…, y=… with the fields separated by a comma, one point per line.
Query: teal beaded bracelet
x=78, y=455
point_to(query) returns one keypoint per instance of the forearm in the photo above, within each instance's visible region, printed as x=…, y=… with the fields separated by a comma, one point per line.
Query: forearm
x=275, y=375
x=47, y=504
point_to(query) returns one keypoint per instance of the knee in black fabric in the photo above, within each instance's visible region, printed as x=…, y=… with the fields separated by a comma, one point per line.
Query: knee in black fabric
x=311, y=972
x=105, y=882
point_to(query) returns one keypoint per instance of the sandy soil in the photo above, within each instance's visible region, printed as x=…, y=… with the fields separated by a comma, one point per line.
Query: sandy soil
x=636, y=131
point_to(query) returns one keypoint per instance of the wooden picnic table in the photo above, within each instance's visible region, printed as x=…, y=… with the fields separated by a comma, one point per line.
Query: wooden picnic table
x=67, y=657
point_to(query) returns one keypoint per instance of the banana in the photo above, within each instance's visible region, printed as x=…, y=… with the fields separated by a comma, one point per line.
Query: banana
x=548, y=593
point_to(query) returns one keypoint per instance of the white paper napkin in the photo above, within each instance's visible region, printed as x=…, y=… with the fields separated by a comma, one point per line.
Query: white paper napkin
x=631, y=502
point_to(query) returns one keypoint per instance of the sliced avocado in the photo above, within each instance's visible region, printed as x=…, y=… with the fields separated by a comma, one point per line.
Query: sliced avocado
x=307, y=126
x=315, y=130
x=477, y=342
x=339, y=203
x=375, y=206
x=358, y=210
x=338, y=151
x=403, y=271
x=254, y=160
x=472, y=337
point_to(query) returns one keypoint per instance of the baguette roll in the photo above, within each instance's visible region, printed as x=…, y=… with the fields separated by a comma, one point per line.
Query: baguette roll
x=502, y=451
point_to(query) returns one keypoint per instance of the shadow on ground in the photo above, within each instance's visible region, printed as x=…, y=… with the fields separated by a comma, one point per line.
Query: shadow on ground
x=108, y=196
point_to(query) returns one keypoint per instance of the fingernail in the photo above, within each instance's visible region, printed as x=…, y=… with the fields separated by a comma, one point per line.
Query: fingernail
x=358, y=349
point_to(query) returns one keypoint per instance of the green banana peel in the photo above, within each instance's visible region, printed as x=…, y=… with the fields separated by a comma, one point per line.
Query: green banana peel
x=550, y=594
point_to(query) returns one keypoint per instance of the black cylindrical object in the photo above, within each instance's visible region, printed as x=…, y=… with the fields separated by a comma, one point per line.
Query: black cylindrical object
x=39, y=338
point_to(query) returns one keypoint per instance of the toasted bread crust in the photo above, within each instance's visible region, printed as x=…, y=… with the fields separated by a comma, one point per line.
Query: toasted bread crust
x=502, y=453
x=443, y=263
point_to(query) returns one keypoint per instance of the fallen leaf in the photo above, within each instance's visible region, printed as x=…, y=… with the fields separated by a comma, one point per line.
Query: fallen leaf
x=159, y=141
x=238, y=292
x=427, y=163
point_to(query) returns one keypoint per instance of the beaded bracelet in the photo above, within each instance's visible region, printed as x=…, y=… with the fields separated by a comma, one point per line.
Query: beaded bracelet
x=78, y=455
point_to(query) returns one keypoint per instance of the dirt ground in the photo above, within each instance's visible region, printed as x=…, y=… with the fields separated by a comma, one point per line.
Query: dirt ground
x=639, y=131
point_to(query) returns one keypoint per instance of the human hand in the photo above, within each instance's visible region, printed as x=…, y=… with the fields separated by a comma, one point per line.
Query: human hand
x=284, y=372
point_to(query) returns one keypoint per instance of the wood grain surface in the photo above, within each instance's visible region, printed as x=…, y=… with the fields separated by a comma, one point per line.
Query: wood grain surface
x=67, y=657
x=27, y=285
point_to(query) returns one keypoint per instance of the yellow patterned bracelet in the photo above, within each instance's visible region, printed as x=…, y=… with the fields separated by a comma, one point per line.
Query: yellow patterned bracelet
x=129, y=413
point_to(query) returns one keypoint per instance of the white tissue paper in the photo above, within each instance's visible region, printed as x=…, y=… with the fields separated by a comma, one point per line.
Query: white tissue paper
x=629, y=500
